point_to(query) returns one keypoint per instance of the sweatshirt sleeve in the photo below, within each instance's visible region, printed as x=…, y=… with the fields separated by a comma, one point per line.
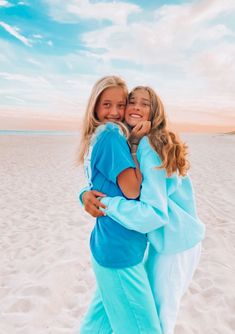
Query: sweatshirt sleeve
x=134, y=215
x=80, y=194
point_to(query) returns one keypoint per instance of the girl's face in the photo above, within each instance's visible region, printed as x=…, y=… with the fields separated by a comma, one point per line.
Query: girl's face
x=111, y=105
x=138, y=107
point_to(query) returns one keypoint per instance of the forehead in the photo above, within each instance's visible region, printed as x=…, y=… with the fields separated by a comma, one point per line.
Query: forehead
x=140, y=93
x=113, y=93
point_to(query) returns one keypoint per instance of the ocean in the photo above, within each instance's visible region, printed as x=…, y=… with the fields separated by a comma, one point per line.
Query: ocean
x=38, y=132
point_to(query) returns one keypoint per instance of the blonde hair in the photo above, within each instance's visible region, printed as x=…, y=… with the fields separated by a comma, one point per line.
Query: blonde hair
x=90, y=121
x=166, y=143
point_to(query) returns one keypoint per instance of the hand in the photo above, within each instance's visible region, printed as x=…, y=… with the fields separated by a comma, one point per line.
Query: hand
x=141, y=129
x=92, y=203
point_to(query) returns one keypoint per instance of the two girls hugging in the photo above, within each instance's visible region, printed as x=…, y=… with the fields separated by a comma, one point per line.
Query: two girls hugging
x=146, y=243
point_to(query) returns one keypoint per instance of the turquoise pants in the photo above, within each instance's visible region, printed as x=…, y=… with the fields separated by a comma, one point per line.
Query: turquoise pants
x=123, y=303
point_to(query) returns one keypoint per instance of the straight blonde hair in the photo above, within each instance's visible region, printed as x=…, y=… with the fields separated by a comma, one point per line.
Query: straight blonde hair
x=90, y=121
x=166, y=143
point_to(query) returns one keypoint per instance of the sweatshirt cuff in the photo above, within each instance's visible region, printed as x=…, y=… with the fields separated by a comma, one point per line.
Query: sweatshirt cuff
x=105, y=201
x=80, y=194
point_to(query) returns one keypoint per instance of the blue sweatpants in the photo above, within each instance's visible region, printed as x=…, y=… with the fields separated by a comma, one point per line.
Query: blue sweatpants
x=123, y=303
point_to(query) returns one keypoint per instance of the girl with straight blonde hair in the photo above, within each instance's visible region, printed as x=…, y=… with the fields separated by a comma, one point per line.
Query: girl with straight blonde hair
x=166, y=209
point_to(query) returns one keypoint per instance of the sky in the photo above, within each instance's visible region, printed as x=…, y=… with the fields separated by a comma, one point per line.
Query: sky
x=53, y=51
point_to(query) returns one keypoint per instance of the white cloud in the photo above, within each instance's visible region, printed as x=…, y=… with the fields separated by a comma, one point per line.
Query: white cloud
x=186, y=52
x=211, y=9
x=22, y=3
x=50, y=43
x=170, y=38
x=14, y=31
x=217, y=66
x=16, y=99
x=38, y=36
x=182, y=48
x=30, y=80
x=72, y=10
x=4, y=3
x=34, y=62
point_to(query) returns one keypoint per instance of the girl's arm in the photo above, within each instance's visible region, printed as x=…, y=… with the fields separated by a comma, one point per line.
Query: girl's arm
x=130, y=180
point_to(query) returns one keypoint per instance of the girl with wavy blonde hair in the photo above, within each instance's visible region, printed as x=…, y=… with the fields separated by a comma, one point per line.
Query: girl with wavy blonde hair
x=170, y=148
x=166, y=209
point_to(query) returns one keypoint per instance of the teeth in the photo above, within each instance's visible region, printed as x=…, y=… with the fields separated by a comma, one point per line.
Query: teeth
x=135, y=116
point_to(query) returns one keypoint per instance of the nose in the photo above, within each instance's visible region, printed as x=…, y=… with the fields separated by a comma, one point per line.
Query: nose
x=137, y=106
x=114, y=111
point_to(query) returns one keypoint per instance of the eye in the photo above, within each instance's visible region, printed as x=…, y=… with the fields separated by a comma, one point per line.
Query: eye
x=107, y=104
x=144, y=104
x=121, y=106
x=131, y=102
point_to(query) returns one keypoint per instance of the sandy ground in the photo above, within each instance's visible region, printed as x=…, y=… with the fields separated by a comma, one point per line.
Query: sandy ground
x=45, y=276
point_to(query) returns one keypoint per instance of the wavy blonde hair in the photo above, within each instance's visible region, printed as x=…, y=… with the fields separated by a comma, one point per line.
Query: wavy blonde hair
x=166, y=143
x=90, y=121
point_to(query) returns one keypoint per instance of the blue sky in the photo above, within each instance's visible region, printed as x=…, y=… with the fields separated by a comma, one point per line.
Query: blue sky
x=53, y=51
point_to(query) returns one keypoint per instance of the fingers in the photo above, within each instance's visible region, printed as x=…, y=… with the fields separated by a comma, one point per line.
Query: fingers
x=98, y=193
x=141, y=129
x=136, y=129
x=95, y=212
x=98, y=204
x=93, y=209
x=146, y=126
x=92, y=203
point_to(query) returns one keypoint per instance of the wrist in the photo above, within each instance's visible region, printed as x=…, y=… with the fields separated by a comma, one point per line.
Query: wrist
x=81, y=193
x=134, y=140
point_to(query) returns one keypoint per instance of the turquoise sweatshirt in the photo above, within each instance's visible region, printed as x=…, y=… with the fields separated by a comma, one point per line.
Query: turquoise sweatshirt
x=166, y=210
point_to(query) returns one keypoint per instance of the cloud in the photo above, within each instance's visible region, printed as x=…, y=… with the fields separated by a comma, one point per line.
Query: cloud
x=186, y=50
x=37, y=36
x=171, y=37
x=34, y=62
x=50, y=43
x=14, y=31
x=4, y=3
x=16, y=99
x=30, y=80
x=22, y=3
x=74, y=10
x=217, y=66
x=211, y=9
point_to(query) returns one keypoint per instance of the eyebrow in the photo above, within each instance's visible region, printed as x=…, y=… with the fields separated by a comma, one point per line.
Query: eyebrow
x=123, y=101
x=142, y=98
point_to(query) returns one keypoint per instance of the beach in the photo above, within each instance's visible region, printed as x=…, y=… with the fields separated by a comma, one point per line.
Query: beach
x=46, y=280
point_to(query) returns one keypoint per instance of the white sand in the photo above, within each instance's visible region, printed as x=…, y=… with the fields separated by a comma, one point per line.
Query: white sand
x=45, y=276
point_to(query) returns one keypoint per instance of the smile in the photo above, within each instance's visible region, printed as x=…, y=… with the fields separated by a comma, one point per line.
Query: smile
x=135, y=116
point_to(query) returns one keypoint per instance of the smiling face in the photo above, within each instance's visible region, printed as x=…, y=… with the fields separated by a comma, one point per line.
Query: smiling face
x=111, y=105
x=138, y=107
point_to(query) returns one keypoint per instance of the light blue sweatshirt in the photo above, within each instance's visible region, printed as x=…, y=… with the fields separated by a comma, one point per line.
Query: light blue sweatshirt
x=166, y=209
